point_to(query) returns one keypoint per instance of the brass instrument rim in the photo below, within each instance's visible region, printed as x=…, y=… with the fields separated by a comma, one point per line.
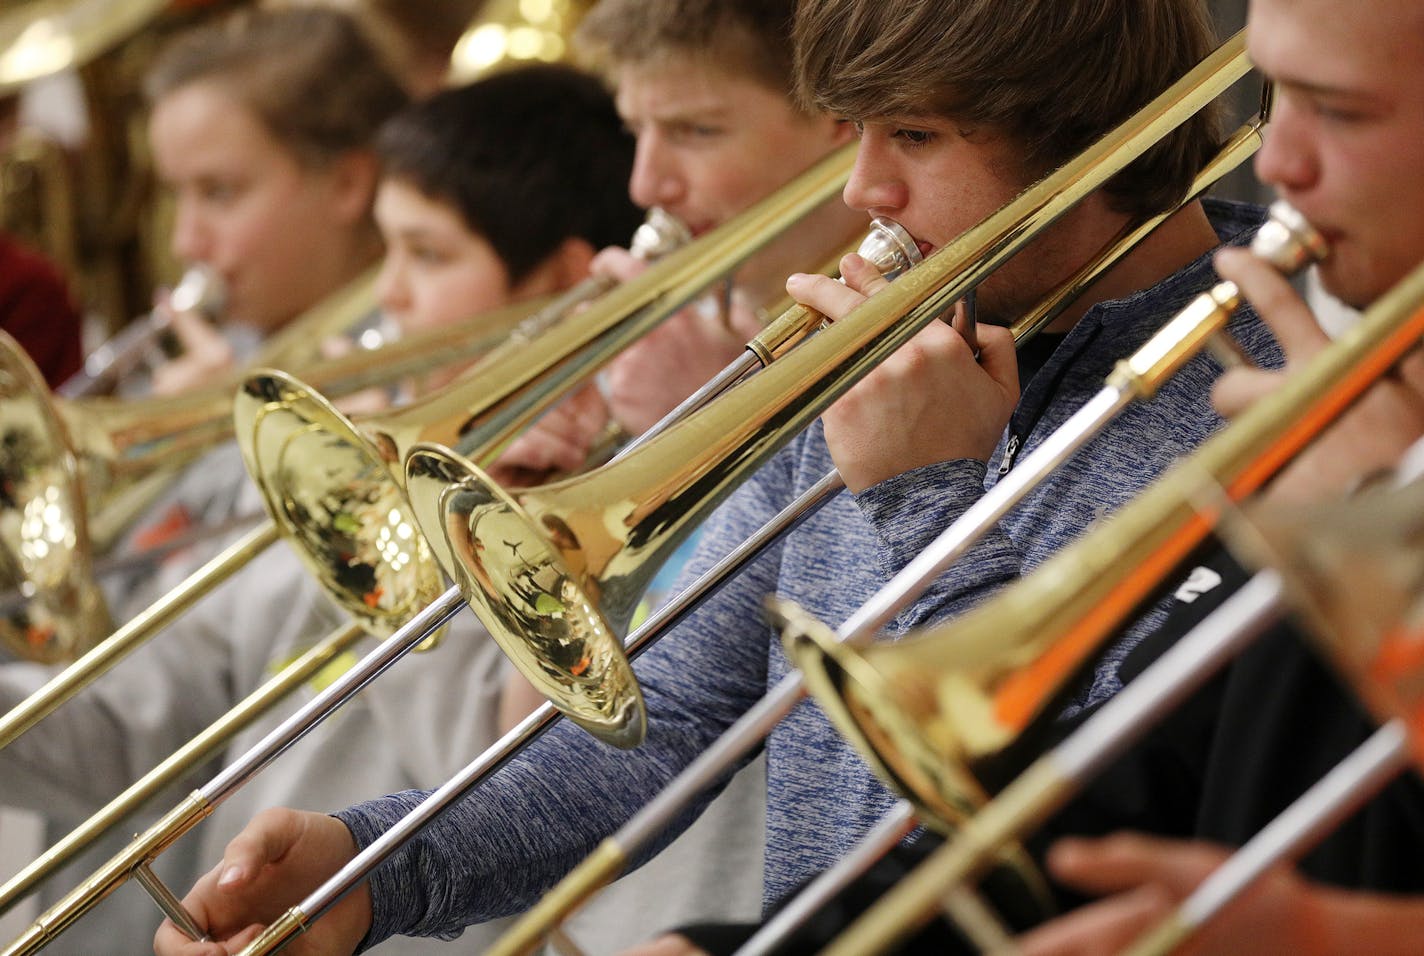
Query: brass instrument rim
x=452, y=493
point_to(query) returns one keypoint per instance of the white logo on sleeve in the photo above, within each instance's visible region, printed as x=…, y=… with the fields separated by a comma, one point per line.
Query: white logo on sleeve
x=1200, y=581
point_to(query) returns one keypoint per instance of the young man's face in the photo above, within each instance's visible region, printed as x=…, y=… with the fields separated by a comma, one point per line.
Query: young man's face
x=710, y=142
x=937, y=179
x=1345, y=144
x=245, y=206
x=436, y=270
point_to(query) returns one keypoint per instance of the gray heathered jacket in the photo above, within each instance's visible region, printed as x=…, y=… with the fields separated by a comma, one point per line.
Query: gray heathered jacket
x=511, y=839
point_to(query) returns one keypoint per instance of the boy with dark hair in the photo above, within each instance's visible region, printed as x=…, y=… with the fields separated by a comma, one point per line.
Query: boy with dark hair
x=478, y=209
x=470, y=149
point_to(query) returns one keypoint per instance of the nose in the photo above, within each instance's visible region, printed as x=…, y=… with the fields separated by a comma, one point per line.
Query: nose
x=874, y=186
x=1287, y=160
x=192, y=239
x=656, y=179
x=392, y=289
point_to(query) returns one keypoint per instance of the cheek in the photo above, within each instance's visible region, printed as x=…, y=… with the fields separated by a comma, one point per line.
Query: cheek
x=443, y=300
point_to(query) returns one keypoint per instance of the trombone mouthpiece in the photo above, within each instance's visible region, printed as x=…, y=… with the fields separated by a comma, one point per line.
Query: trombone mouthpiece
x=200, y=289
x=889, y=247
x=660, y=233
x=1287, y=241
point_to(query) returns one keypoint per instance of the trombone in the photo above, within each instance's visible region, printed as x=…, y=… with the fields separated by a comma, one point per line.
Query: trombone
x=1009, y=658
x=320, y=474
x=51, y=445
x=199, y=290
x=823, y=365
x=1285, y=240
x=656, y=294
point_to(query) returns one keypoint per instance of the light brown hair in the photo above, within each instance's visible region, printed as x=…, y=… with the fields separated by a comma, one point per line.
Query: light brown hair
x=744, y=37
x=307, y=73
x=1051, y=75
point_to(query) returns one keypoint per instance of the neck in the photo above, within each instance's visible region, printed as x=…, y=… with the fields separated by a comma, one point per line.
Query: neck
x=1182, y=238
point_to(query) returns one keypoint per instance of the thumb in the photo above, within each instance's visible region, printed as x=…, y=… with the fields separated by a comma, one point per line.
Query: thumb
x=861, y=275
x=196, y=335
x=1238, y=389
x=267, y=839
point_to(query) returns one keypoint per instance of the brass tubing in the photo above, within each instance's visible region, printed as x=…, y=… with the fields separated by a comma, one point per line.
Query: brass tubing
x=283, y=424
x=148, y=845
x=143, y=850
x=182, y=761
x=504, y=378
x=136, y=632
x=131, y=431
x=1023, y=644
x=624, y=518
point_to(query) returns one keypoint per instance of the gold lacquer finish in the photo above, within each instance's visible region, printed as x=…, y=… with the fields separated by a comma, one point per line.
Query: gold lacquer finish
x=41, y=524
x=144, y=849
x=280, y=421
x=564, y=564
x=962, y=691
x=62, y=461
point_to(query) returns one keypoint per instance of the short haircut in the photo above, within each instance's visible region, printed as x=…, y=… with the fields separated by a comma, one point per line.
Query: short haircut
x=528, y=157
x=1051, y=75
x=307, y=73
x=746, y=37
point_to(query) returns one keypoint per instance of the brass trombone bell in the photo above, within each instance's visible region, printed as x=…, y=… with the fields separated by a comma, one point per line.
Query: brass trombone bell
x=42, y=524
x=328, y=481
x=952, y=694
x=58, y=458
x=558, y=602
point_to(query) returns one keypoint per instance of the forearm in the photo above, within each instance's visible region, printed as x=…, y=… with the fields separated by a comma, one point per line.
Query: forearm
x=908, y=512
x=497, y=851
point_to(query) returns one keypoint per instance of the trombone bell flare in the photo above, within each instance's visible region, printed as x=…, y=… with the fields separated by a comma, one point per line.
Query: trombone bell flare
x=42, y=524
x=534, y=593
x=943, y=790
x=325, y=484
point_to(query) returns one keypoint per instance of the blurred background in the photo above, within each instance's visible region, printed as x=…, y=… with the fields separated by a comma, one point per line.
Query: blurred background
x=75, y=181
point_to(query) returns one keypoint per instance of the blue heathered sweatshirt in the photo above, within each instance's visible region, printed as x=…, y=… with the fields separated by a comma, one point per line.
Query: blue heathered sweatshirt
x=511, y=839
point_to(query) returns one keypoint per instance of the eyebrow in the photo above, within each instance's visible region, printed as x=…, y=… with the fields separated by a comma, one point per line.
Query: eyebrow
x=686, y=114
x=1363, y=97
